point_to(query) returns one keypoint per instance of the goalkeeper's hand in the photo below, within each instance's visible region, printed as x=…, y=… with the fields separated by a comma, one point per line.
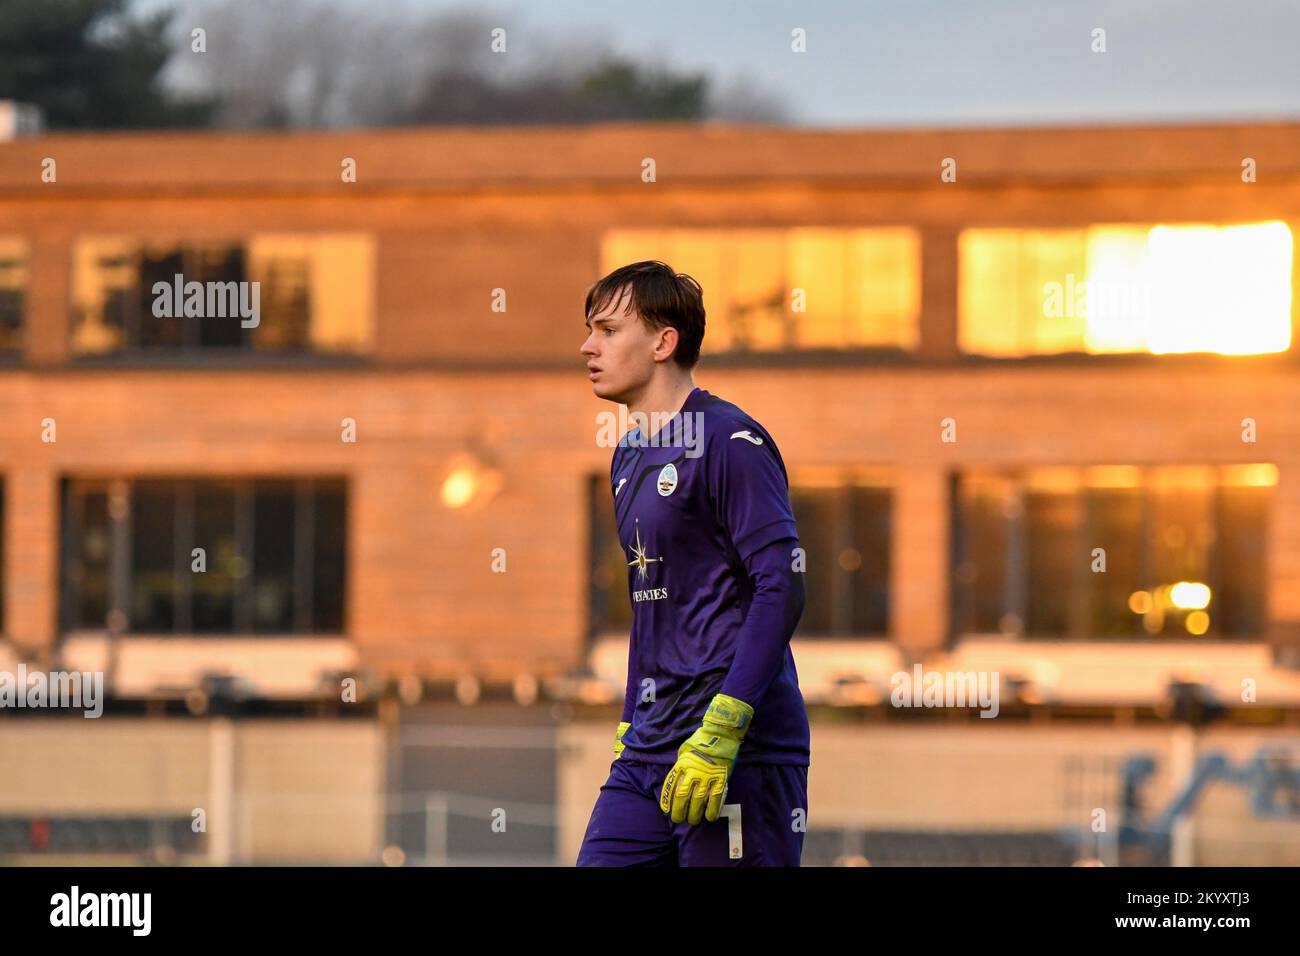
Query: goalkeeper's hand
x=618, y=738
x=696, y=786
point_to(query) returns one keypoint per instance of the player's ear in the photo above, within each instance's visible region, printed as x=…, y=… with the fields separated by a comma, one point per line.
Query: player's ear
x=666, y=343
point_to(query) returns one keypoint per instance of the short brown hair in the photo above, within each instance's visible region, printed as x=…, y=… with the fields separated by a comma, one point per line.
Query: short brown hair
x=663, y=298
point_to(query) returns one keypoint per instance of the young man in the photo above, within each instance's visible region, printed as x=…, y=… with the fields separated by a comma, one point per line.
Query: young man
x=711, y=756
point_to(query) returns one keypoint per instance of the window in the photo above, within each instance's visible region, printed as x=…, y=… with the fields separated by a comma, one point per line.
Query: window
x=281, y=294
x=611, y=610
x=1126, y=288
x=273, y=555
x=773, y=290
x=13, y=292
x=1112, y=551
x=844, y=529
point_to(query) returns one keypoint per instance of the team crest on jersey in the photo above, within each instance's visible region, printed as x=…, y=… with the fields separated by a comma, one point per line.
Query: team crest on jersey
x=667, y=479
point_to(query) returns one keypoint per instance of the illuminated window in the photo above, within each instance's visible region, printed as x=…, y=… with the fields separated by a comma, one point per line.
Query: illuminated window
x=13, y=290
x=769, y=290
x=1126, y=288
x=1184, y=551
x=273, y=293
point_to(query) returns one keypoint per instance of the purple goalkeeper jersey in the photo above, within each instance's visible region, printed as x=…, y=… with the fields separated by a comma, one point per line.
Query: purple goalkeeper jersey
x=696, y=502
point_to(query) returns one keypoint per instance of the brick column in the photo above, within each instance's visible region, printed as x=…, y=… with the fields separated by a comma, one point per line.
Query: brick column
x=919, y=582
x=31, y=557
x=938, y=293
x=49, y=301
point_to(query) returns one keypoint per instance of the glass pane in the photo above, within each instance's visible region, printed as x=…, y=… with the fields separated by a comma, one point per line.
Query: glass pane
x=342, y=299
x=13, y=291
x=87, y=562
x=1018, y=290
x=883, y=288
x=153, y=557
x=1240, y=600
x=224, y=300
x=1049, y=525
x=1114, y=522
x=105, y=284
x=1126, y=288
x=158, y=331
x=757, y=307
x=981, y=553
x=611, y=609
x=1179, y=538
x=273, y=552
x=1224, y=289
x=861, y=286
x=871, y=544
x=214, y=531
x=281, y=264
x=329, y=558
x=814, y=514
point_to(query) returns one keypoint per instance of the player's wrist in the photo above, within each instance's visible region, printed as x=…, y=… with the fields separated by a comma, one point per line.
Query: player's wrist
x=728, y=715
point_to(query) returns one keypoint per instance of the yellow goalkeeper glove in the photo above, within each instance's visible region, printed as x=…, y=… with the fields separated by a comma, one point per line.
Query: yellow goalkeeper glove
x=618, y=738
x=696, y=786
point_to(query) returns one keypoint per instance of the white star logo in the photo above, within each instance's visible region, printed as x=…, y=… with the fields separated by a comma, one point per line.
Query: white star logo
x=641, y=562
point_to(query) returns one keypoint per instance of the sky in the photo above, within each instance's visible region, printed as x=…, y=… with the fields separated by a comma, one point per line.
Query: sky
x=946, y=62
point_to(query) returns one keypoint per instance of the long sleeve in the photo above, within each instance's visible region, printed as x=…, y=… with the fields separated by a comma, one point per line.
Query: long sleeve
x=629, y=696
x=773, y=615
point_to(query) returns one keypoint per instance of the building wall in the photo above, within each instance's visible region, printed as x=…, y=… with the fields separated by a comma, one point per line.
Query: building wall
x=457, y=215
x=422, y=594
x=309, y=791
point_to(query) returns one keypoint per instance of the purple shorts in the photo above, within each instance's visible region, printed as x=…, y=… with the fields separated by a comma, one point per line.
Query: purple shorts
x=765, y=815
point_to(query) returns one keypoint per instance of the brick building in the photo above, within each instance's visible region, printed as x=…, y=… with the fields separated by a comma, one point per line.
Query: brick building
x=412, y=398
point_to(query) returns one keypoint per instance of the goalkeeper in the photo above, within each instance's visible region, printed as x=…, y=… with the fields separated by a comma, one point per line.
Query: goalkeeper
x=711, y=754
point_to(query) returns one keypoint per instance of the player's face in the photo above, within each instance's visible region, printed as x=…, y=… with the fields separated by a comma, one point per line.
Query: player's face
x=619, y=351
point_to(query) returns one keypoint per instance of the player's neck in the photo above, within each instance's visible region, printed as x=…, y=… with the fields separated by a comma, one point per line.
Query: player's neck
x=661, y=401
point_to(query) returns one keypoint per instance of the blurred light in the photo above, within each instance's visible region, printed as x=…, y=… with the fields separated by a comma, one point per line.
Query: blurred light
x=459, y=487
x=410, y=689
x=1113, y=476
x=468, y=689
x=850, y=559
x=525, y=689
x=1224, y=289
x=393, y=856
x=1261, y=475
x=1189, y=594
x=1198, y=622
x=1139, y=602
x=470, y=480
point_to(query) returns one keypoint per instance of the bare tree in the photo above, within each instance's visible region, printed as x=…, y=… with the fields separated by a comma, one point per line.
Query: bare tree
x=316, y=63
